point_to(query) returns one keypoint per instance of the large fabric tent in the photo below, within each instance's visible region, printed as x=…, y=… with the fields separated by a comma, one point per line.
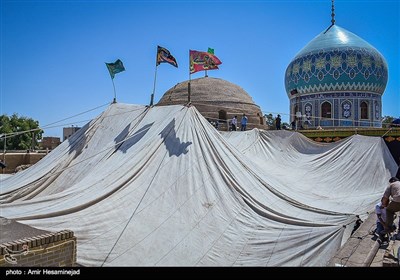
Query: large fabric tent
x=159, y=186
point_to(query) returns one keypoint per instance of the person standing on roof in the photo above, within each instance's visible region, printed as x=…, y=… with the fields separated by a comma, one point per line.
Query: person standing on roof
x=243, y=123
x=234, y=123
x=380, y=212
x=278, y=122
x=392, y=205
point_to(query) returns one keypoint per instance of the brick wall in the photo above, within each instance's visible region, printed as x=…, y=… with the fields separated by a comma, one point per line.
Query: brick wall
x=50, y=143
x=16, y=159
x=53, y=249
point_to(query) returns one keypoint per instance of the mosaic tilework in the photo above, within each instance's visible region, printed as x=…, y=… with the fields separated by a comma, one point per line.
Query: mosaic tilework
x=337, y=60
x=339, y=70
x=337, y=67
x=345, y=109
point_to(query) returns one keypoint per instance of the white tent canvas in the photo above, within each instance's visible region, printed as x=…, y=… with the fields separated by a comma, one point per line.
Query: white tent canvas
x=159, y=186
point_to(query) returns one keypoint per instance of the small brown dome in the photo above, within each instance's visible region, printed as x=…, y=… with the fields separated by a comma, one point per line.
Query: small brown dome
x=216, y=99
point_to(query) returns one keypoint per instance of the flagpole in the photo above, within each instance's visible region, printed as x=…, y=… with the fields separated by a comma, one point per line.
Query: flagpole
x=190, y=77
x=115, y=93
x=154, y=87
x=114, y=68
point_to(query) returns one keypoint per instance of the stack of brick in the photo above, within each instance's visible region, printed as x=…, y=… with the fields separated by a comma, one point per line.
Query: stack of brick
x=56, y=249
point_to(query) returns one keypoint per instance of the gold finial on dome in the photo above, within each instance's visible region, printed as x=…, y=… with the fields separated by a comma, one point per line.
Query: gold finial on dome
x=333, y=12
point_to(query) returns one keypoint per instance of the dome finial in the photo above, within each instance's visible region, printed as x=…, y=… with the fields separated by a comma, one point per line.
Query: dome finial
x=333, y=12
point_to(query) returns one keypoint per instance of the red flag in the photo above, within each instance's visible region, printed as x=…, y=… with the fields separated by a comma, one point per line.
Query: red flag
x=200, y=61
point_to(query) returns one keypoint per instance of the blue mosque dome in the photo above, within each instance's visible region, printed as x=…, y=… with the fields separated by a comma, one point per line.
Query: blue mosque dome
x=337, y=80
x=337, y=60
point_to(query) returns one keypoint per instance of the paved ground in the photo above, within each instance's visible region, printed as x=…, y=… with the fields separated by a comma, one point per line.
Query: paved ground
x=387, y=254
x=364, y=248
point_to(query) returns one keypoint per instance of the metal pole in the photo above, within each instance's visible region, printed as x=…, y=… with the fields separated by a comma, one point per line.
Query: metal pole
x=189, y=92
x=115, y=93
x=190, y=78
x=154, y=88
x=4, y=150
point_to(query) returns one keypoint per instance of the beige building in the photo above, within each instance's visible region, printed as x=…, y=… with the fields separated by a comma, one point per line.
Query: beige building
x=50, y=142
x=216, y=99
x=68, y=131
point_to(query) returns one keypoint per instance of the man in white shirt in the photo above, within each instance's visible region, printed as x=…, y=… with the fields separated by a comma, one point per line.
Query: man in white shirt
x=393, y=205
x=234, y=123
x=381, y=218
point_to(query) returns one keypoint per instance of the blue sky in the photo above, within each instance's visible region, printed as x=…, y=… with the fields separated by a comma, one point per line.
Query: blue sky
x=53, y=52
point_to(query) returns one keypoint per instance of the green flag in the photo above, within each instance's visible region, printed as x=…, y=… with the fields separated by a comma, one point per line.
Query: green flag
x=210, y=50
x=115, y=68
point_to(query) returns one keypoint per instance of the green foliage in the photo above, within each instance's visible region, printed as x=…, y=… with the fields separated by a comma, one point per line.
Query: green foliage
x=22, y=133
x=387, y=119
x=270, y=121
x=387, y=122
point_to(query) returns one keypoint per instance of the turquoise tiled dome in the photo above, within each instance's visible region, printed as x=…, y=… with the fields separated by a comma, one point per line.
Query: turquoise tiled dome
x=337, y=61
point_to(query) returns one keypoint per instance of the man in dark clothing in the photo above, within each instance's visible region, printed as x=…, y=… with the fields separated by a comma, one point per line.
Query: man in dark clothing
x=278, y=122
x=293, y=124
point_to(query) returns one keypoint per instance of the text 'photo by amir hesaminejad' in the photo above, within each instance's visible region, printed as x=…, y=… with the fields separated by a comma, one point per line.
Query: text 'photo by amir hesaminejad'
x=41, y=271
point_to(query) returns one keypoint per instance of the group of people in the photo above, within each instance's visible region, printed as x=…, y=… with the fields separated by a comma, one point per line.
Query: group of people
x=214, y=123
x=243, y=123
x=244, y=120
x=385, y=210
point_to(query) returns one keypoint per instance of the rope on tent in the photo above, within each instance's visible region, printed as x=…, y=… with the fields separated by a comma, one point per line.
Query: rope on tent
x=8, y=135
x=147, y=189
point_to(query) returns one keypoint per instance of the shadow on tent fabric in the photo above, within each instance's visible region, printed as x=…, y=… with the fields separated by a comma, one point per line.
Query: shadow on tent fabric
x=173, y=143
x=130, y=139
x=77, y=141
